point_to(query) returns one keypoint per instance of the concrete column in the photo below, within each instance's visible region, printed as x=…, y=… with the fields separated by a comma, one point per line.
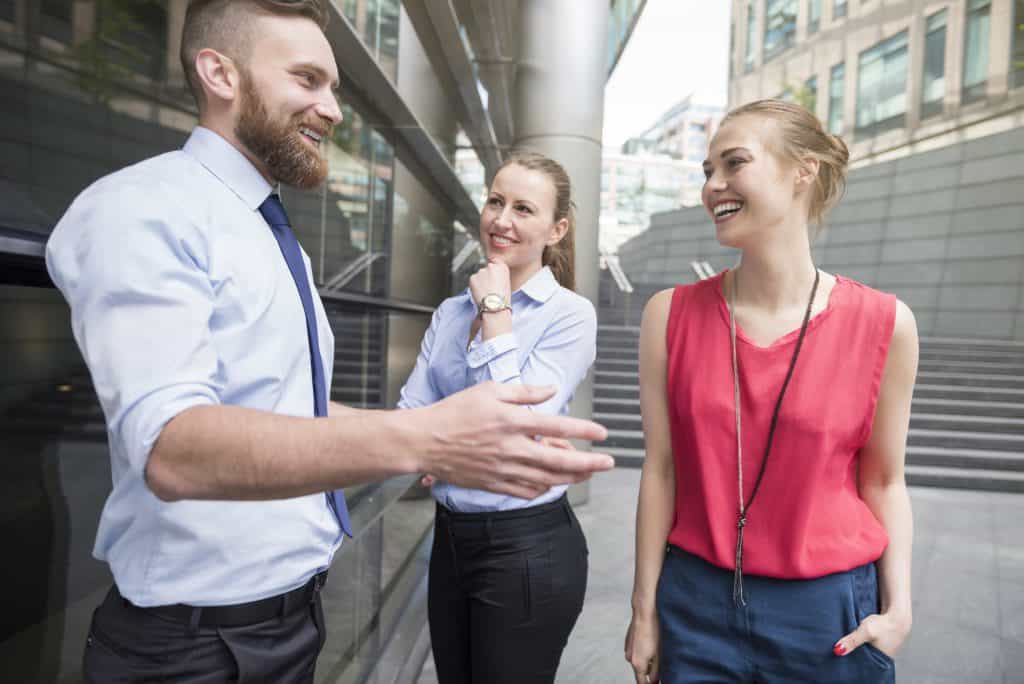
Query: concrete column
x=559, y=111
x=915, y=79
x=1001, y=29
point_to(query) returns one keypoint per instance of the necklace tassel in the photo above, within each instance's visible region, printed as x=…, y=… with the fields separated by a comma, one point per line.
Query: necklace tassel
x=737, y=578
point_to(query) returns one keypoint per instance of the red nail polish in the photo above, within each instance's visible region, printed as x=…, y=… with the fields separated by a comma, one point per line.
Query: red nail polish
x=839, y=649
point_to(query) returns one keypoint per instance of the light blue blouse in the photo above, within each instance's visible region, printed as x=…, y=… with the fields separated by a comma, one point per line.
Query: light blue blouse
x=554, y=342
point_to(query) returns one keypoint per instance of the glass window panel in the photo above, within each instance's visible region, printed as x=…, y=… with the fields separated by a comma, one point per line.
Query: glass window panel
x=809, y=94
x=7, y=10
x=779, y=26
x=748, y=57
x=933, y=86
x=1018, y=44
x=882, y=86
x=836, y=90
x=976, y=51
x=813, y=16
x=839, y=9
x=55, y=19
x=377, y=22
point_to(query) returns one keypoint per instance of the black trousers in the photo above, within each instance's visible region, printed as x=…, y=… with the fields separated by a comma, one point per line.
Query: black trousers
x=505, y=590
x=130, y=644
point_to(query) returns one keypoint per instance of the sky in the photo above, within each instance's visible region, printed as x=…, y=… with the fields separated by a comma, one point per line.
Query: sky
x=678, y=47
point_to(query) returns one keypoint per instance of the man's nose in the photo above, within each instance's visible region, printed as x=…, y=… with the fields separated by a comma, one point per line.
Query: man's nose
x=329, y=109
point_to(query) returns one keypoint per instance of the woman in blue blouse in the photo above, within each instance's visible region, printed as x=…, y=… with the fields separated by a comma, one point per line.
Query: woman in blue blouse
x=507, y=574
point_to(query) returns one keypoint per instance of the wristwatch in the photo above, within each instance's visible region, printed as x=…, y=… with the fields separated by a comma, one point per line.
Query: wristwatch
x=493, y=303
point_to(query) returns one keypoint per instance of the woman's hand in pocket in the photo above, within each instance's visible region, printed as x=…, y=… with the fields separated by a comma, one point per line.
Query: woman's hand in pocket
x=885, y=631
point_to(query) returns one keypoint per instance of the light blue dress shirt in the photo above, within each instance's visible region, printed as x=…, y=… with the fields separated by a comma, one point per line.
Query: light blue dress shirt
x=180, y=297
x=554, y=342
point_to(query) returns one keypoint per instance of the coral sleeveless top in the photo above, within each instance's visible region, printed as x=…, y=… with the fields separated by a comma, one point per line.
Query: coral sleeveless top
x=807, y=520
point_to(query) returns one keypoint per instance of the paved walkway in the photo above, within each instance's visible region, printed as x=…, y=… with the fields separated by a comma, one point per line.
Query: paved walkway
x=968, y=588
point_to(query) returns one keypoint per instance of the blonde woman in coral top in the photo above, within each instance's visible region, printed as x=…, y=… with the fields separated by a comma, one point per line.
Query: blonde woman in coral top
x=773, y=525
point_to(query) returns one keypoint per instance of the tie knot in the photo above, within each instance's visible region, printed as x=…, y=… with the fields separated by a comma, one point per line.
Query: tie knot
x=273, y=211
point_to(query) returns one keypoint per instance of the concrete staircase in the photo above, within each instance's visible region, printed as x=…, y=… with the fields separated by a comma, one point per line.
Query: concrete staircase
x=967, y=419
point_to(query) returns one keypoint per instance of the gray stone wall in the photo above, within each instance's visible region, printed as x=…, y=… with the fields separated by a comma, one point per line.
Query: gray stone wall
x=943, y=230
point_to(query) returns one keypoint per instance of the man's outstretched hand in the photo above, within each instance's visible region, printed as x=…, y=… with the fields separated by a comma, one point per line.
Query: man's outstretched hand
x=485, y=437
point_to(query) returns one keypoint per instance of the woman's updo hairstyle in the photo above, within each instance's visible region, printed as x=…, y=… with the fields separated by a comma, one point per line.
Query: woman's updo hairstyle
x=560, y=257
x=803, y=137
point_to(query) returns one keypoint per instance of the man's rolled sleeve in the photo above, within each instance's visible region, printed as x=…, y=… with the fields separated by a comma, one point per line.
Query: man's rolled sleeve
x=141, y=303
x=495, y=359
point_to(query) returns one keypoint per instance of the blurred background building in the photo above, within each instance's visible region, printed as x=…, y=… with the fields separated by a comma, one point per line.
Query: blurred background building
x=656, y=171
x=434, y=95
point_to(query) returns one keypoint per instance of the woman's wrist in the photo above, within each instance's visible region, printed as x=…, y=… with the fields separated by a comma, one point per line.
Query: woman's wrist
x=496, y=323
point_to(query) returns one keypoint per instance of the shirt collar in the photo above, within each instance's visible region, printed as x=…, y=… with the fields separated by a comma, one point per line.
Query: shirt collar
x=229, y=165
x=540, y=286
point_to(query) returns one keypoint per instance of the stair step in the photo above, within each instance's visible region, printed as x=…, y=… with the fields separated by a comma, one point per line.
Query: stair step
x=626, y=457
x=965, y=458
x=970, y=440
x=1004, y=394
x=953, y=421
x=616, y=376
x=962, y=478
x=971, y=380
x=992, y=367
x=630, y=404
x=968, y=407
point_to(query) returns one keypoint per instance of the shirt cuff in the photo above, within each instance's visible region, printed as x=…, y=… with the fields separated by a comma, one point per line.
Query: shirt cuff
x=498, y=355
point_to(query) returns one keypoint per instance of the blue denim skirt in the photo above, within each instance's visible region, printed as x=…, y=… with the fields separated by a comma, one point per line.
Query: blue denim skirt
x=785, y=633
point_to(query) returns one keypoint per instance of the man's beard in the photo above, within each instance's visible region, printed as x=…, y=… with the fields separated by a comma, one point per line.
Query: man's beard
x=278, y=144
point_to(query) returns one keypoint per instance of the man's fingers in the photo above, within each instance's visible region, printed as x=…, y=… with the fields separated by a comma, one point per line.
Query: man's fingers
x=564, y=462
x=525, y=394
x=565, y=427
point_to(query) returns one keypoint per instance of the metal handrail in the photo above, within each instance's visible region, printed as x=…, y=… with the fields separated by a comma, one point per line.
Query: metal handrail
x=703, y=269
x=471, y=247
x=618, y=275
x=354, y=268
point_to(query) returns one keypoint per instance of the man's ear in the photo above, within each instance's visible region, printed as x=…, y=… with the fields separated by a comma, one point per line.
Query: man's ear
x=558, y=232
x=218, y=75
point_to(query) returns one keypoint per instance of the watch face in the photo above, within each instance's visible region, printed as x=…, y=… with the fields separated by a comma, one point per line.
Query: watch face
x=492, y=302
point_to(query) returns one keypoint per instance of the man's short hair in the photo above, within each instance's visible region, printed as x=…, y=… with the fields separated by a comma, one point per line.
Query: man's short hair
x=223, y=25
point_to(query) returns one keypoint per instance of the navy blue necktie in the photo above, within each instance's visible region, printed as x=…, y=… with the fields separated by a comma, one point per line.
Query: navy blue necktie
x=273, y=211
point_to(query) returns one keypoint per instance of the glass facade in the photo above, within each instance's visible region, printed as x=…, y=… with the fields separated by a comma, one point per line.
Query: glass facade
x=813, y=16
x=882, y=86
x=836, y=90
x=779, y=27
x=933, y=83
x=623, y=16
x=88, y=92
x=376, y=21
x=976, y=38
x=809, y=94
x=1017, y=66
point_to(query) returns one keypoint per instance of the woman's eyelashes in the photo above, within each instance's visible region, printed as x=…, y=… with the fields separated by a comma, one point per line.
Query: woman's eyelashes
x=498, y=203
x=732, y=164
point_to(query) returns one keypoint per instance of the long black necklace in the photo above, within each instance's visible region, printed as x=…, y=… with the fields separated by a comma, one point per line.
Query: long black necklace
x=741, y=521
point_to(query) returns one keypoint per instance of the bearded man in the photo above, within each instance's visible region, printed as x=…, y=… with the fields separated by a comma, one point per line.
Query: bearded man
x=196, y=312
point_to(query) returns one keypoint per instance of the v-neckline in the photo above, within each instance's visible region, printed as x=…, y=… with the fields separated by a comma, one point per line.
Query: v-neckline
x=786, y=338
